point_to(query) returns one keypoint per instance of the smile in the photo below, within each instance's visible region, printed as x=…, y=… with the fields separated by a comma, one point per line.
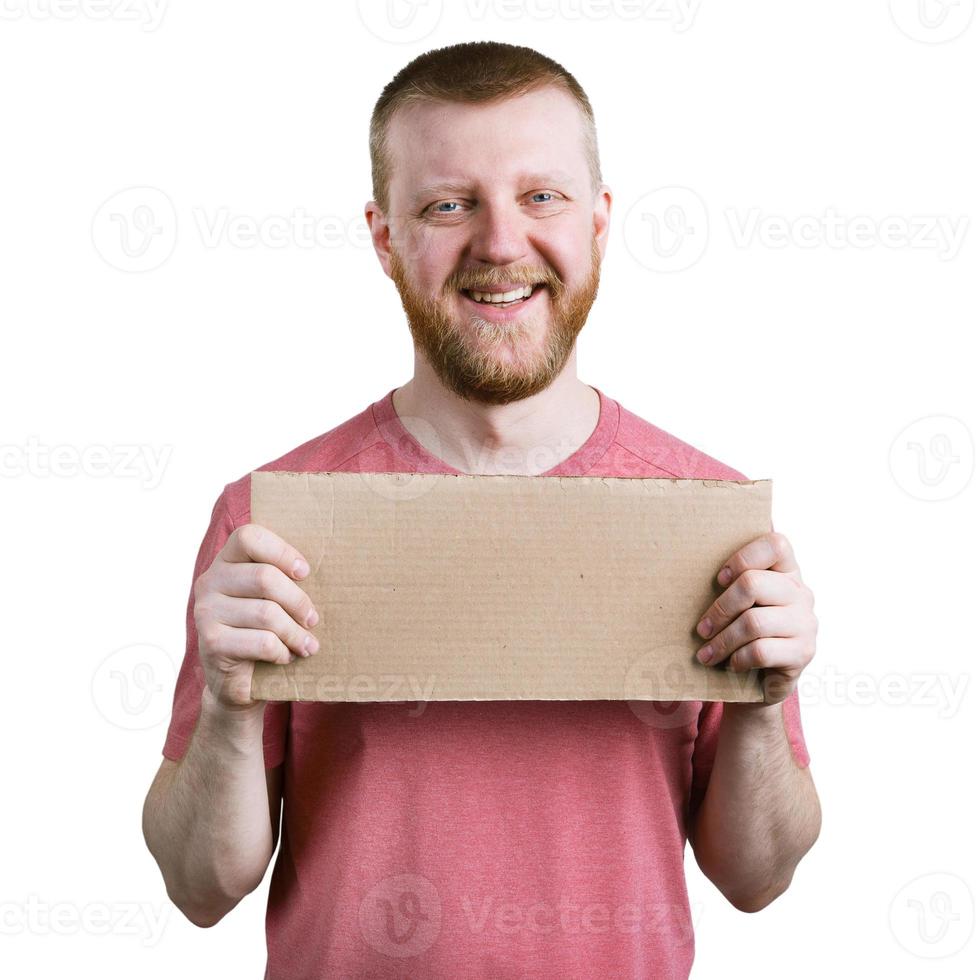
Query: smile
x=502, y=301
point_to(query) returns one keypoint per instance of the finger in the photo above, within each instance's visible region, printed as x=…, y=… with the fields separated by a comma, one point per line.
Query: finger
x=784, y=654
x=753, y=587
x=257, y=580
x=263, y=614
x=754, y=623
x=252, y=542
x=242, y=643
x=770, y=550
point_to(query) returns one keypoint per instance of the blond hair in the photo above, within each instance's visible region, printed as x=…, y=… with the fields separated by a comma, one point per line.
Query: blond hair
x=474, y=72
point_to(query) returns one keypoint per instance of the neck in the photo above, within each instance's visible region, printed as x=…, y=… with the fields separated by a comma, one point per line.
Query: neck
x=527, y=437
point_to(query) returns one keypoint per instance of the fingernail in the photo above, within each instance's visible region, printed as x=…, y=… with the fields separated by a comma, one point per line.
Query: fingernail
x=705, y=655
x=313, y=618
x=311, y=645
x=704, y=627
x=300, y=568
x=725, y=576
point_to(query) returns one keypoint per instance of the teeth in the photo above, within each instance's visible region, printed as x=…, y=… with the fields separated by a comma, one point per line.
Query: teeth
x=521, y=293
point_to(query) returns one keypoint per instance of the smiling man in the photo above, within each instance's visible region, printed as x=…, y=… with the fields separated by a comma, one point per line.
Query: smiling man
x=496, y=838
x=490, y=218
x=503, y=257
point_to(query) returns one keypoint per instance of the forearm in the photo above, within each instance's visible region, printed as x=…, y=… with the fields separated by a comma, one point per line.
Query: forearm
x=760, y=813
x=208, y=826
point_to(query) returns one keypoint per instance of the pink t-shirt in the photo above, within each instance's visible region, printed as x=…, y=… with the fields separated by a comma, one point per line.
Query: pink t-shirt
x=493, y=839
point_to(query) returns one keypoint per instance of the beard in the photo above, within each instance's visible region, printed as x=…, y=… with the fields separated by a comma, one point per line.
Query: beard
x=495, y=362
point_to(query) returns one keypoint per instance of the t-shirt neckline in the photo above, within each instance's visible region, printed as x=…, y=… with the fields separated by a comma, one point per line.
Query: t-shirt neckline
x=579, y=463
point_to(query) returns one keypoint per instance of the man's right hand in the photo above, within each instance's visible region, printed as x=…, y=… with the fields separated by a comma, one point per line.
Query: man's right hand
x=248, y=607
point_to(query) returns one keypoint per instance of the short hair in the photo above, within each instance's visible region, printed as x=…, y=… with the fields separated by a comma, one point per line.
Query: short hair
x=474, y=72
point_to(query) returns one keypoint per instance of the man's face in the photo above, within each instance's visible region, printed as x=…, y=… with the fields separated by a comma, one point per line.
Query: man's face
x=494, y=198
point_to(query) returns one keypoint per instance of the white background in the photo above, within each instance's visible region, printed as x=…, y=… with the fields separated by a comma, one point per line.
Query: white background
x=839, y=365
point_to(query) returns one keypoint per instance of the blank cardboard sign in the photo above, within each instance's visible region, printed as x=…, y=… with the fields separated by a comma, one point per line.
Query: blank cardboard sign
x=444, y=587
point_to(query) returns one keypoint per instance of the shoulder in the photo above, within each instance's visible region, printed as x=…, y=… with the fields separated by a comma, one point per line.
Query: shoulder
x=338, y=448
x=647, y=450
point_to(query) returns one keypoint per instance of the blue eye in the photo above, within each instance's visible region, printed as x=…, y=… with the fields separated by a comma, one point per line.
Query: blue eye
x=451, y=207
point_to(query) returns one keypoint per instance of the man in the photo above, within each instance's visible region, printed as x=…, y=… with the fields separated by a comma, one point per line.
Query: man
x=500, y=838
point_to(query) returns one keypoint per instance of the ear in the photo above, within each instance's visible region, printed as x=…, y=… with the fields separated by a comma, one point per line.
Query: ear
x=600, y=217
x=377, y=224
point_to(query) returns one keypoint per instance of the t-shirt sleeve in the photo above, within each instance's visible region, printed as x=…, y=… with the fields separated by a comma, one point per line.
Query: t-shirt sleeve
x=190, y=679
x=706, y=742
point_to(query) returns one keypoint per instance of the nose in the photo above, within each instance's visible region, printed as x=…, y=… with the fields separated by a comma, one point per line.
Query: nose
x=499, y=233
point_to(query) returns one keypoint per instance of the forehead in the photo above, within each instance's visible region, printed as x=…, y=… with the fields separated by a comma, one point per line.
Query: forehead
x=449, y=144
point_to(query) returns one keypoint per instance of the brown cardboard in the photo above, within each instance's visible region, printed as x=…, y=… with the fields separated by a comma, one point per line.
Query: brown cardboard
x=444, y=587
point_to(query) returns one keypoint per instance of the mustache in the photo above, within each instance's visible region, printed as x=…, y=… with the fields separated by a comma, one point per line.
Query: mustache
x=489, y=281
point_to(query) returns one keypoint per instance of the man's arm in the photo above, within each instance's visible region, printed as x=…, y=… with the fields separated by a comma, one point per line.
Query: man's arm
x=760, y=813
x=211, y=821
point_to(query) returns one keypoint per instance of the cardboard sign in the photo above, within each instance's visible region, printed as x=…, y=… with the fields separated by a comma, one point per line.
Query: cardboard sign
x=444, y=587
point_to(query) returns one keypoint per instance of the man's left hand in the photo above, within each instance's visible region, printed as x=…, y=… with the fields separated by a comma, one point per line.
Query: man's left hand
x=764, y=618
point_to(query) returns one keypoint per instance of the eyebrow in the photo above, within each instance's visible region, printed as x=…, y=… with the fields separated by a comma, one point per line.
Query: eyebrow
x=555, y=177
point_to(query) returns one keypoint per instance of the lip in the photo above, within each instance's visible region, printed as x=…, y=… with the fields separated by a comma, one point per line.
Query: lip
x=490, y=312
